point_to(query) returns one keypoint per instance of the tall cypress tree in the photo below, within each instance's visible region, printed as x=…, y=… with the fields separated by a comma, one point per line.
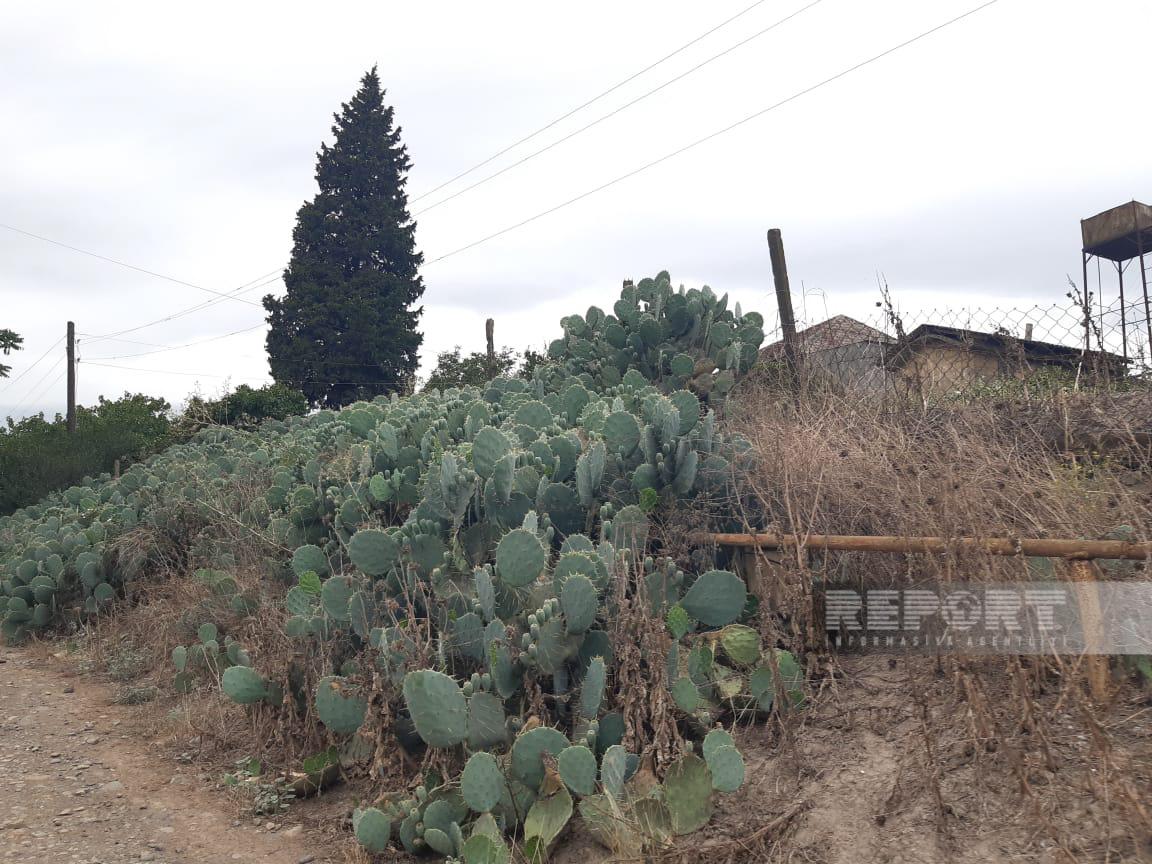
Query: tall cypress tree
x=346, y=328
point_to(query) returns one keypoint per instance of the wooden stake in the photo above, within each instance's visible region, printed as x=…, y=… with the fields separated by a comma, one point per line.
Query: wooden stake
x=783, y=300
x=490, y=333
x=1084, y=578
x=71, y=378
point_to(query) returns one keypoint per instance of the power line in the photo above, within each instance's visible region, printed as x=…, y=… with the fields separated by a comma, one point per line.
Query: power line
x=53, y=347
x=237, y=377
x=246, y=287
x=144, y=270
x=162, y=348
x=48, y=389
x=591, y=101
x=28, y=397
x=715, y=134
x=616, y=111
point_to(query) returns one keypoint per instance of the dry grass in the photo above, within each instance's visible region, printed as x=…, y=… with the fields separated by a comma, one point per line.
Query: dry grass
x=836, y=465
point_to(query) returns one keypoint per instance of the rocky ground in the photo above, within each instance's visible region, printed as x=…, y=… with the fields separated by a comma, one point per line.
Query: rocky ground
x=78, y=783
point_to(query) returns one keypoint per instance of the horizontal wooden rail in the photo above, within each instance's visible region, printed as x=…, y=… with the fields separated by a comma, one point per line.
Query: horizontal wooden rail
x=1072, y=549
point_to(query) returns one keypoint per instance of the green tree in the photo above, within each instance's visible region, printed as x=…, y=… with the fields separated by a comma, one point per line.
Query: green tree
x=245, y=407
x=455, y=370
x=9, y=342
x=346, y=327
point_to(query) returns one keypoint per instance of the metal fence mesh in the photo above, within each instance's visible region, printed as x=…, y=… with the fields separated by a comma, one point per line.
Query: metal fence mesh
x=943, y=352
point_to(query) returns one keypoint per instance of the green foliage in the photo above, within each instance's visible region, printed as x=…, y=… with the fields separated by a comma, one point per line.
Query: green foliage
x=9, y=342
x=38, y=456
x=245, y=407
x=346, y=327
x=473, y=370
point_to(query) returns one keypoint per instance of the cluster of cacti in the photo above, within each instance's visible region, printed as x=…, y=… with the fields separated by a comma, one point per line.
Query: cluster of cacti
x=469, y=549
x=675, y=339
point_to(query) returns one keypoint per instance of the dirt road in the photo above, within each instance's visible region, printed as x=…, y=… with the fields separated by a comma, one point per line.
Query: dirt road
x=76, y=785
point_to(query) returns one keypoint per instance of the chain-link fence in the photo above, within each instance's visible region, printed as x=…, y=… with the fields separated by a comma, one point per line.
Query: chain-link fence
x=942, y=353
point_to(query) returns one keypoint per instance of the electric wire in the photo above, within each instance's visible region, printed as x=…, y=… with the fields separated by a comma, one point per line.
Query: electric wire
x=125, y=264
x=247, y=286
x=12, y=382
x=616, y=111
x=591, y=101
x=213, y=375
x=29, y=398
x=162, y=348
x=671, y=155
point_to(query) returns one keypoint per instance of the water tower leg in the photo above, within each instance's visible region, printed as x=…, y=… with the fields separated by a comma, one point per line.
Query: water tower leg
x=1123, y=312
x=1147, y=310
x=1087, y=302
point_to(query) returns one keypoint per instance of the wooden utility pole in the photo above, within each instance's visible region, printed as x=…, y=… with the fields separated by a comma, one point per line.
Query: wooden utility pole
x=71, y=378
x=490, y=333
x=784, y=301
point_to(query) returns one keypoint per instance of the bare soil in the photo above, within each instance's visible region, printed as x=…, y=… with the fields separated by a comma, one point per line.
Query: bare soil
x=79, y=782
x=885, y=764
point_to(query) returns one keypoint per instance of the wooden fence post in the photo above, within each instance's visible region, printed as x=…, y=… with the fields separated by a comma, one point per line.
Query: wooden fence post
x=784, y=303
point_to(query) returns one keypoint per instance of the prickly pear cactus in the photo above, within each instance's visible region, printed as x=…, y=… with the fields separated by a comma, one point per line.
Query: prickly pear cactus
x=455, y=557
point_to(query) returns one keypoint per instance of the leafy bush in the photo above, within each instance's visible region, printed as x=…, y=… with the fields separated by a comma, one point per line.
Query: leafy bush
x=474, y=370
x=38, y=456
x=245, y=406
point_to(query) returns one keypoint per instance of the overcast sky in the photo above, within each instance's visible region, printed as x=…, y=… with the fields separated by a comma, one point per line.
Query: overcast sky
x=183, y=142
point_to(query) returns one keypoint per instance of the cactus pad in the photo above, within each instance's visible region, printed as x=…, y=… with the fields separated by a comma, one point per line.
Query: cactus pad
x=741, y=644
x=715, y=739
x=373, y=551
x=439, y=841
x=335, y=595
x=716, y=598
x=688, y=794
x=577, y=767
x=486, y=721
x=520, y=558
x=373, y=829
x=592, y=690
x=630, y=529
x=580, y=601
x=309, y=558
x=482, y=849
x=686, y=695
x=437, y=706
x=340, y=708
x=544, y=822
x=482, y=783
x=528, y=750
x=727, y=768
x=614, y=770
x=243, y=685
